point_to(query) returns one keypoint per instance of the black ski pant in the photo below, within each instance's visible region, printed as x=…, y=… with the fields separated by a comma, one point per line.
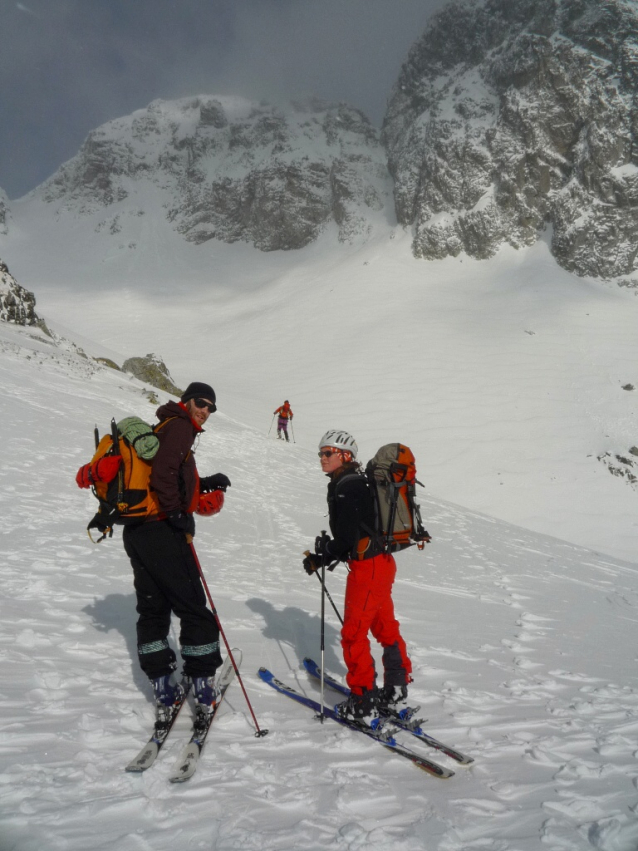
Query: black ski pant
x=167, y=580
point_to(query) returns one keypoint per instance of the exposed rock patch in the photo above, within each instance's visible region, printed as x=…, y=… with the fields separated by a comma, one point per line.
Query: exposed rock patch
x=4, y=213
x=622, y=466
x=230, y=169
x=17, y=304
x=152, y=370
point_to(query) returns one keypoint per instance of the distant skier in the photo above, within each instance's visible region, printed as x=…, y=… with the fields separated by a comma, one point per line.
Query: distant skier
x=368, y=601
x=285, y=415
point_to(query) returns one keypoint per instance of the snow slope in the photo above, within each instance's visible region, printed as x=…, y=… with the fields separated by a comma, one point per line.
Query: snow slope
x=523, y=645
x=505, y=376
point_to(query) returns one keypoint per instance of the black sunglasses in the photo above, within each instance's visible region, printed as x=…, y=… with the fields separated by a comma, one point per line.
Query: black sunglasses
x=326, y=453
x=202, y=403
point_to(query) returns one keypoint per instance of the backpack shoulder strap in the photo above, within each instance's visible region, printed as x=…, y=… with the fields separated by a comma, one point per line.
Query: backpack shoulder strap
x=349, y=477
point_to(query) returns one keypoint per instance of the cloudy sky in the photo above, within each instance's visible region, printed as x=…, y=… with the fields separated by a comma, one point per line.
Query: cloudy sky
x=68, y=66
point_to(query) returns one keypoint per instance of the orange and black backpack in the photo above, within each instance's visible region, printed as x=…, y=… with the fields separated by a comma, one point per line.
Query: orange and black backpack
x=120, y=474
x=392, y=480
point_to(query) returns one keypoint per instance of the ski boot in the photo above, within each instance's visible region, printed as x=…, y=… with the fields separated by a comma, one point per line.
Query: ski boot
x=168, y=699
x=361, y=709
x=393, y=703
x=393, y=697
x=207, y=694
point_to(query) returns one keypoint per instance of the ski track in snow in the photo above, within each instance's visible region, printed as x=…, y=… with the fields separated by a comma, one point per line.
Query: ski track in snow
x=523, y=649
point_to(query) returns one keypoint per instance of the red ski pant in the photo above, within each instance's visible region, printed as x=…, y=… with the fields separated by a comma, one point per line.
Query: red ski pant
x=369, y=608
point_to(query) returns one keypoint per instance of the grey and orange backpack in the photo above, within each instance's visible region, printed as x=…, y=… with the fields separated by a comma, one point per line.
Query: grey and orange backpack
x=392, y=480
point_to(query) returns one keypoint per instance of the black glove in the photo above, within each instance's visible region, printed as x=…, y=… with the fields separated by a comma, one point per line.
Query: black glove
x=312, y=563
x=104, y=528
x=218, y=482
x=321, y=544
x=183, y=522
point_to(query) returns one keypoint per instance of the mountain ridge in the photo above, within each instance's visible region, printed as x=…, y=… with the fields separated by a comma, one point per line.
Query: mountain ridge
x=510, y=117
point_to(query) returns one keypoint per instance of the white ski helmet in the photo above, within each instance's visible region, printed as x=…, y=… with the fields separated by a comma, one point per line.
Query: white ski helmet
x=340, y=440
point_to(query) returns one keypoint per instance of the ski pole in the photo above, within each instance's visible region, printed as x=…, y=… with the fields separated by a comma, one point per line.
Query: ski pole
x=271, y=422
x=323, y=582
x=323, y=635
x=327, y=593
x=292, y=432
x=189, y=539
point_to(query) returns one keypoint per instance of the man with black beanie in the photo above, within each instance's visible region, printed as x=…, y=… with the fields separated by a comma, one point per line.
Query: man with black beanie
x=165, y=573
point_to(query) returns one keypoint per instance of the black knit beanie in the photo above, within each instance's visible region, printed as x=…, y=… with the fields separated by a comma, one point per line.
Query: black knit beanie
x=198, y=388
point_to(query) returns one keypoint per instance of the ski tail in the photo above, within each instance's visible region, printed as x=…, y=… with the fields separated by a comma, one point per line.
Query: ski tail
x=389, y=743
x=404, y=722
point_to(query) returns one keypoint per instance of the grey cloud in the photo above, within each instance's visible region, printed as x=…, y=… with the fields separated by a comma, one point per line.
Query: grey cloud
x=69, y=65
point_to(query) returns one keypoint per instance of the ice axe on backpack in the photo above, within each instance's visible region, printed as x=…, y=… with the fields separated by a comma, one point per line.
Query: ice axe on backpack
x=87, y=476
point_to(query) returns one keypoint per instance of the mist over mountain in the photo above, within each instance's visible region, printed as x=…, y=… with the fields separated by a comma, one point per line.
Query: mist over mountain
x=511, y=116
x=230, y=169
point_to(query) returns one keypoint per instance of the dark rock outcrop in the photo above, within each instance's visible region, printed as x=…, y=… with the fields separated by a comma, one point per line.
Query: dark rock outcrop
x=4, y=213
x=511, y=116
x=151, y=370
x=230, y=169
x=17, y=304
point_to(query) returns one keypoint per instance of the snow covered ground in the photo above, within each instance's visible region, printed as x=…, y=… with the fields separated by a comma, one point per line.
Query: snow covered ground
x=505, y=376
x=523, y=645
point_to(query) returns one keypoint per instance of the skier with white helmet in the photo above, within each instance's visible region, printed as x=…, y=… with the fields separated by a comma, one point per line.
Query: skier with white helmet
x=368, y=601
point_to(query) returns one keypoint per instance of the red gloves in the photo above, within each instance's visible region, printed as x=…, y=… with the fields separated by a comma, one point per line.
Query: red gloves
x=210, y=503
x=83, y=477
x=103, y=470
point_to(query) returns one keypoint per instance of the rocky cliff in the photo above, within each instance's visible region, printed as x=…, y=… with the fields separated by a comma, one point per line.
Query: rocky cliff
x=17, y=305
x=231, y=169
x=514, y=116
x=4, y=212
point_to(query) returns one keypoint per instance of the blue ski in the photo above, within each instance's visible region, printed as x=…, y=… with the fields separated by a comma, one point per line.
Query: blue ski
x=382, y=737
x=315, y=671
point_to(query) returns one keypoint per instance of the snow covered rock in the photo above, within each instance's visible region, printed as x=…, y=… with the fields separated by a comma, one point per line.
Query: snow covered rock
x=4, y=212
x=17, y=305
x=622, y=466
x=152, y=370
x=231, y=169
x=512, y=115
